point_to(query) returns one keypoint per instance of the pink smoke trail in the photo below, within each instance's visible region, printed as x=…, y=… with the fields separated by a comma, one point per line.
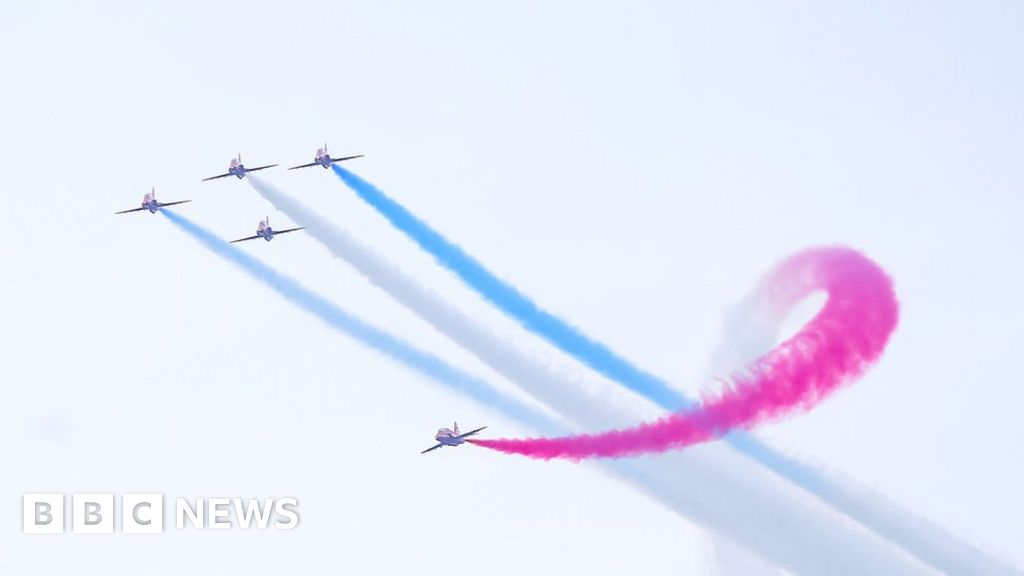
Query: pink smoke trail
x=834, y=348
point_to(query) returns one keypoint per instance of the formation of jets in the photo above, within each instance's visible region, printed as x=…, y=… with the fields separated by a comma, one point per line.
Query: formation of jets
x=322, y=158
x=237, y=169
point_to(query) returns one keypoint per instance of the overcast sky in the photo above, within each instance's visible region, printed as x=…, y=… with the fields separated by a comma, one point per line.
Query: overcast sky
x=633, y=166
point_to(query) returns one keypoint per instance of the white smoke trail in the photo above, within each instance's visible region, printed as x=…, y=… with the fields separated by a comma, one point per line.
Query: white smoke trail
x=712, y=486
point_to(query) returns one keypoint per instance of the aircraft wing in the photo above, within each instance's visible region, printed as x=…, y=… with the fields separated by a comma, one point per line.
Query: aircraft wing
x=303, y=166
x=163, y=204
x=343, y=158
x=276, y=232
x=434, y=447
x=132, y=210
x=217, y=176
x=471, y=432
x=246, y=238
x=260, y=168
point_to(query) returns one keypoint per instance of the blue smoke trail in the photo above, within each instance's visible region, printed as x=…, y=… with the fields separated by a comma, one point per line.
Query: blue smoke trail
x=928, y=542
x=342, y=321
x=513, y=302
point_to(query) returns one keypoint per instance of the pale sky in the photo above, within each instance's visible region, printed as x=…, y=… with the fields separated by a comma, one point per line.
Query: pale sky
x=632, y=166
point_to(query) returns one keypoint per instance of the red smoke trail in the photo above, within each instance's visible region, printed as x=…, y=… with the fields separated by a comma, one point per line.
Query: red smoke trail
x=835, y=347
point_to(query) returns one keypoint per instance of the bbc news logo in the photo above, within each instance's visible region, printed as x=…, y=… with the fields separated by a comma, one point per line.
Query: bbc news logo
x=144, y=513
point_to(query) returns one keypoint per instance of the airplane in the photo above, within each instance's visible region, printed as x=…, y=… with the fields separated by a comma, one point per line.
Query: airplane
x=149, y=202
x=323, y=158
x=266, y=232
x=450, y=437
x=237, y=169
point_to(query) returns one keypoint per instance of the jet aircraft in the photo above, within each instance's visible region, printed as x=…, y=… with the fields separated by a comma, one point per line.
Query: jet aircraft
x=451, y=437
x=237, y=169
x=149, y=202
x=323, y=158
x=266, y=232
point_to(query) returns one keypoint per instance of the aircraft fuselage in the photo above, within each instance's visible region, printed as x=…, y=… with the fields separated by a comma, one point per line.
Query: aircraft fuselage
x=149, y=203
x=448, y=438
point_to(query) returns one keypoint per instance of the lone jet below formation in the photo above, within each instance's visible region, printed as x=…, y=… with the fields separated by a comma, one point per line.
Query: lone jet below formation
x=323, y=158
x=237, y=169
x=149, y=202
x=449, y=437
x=266, y=232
